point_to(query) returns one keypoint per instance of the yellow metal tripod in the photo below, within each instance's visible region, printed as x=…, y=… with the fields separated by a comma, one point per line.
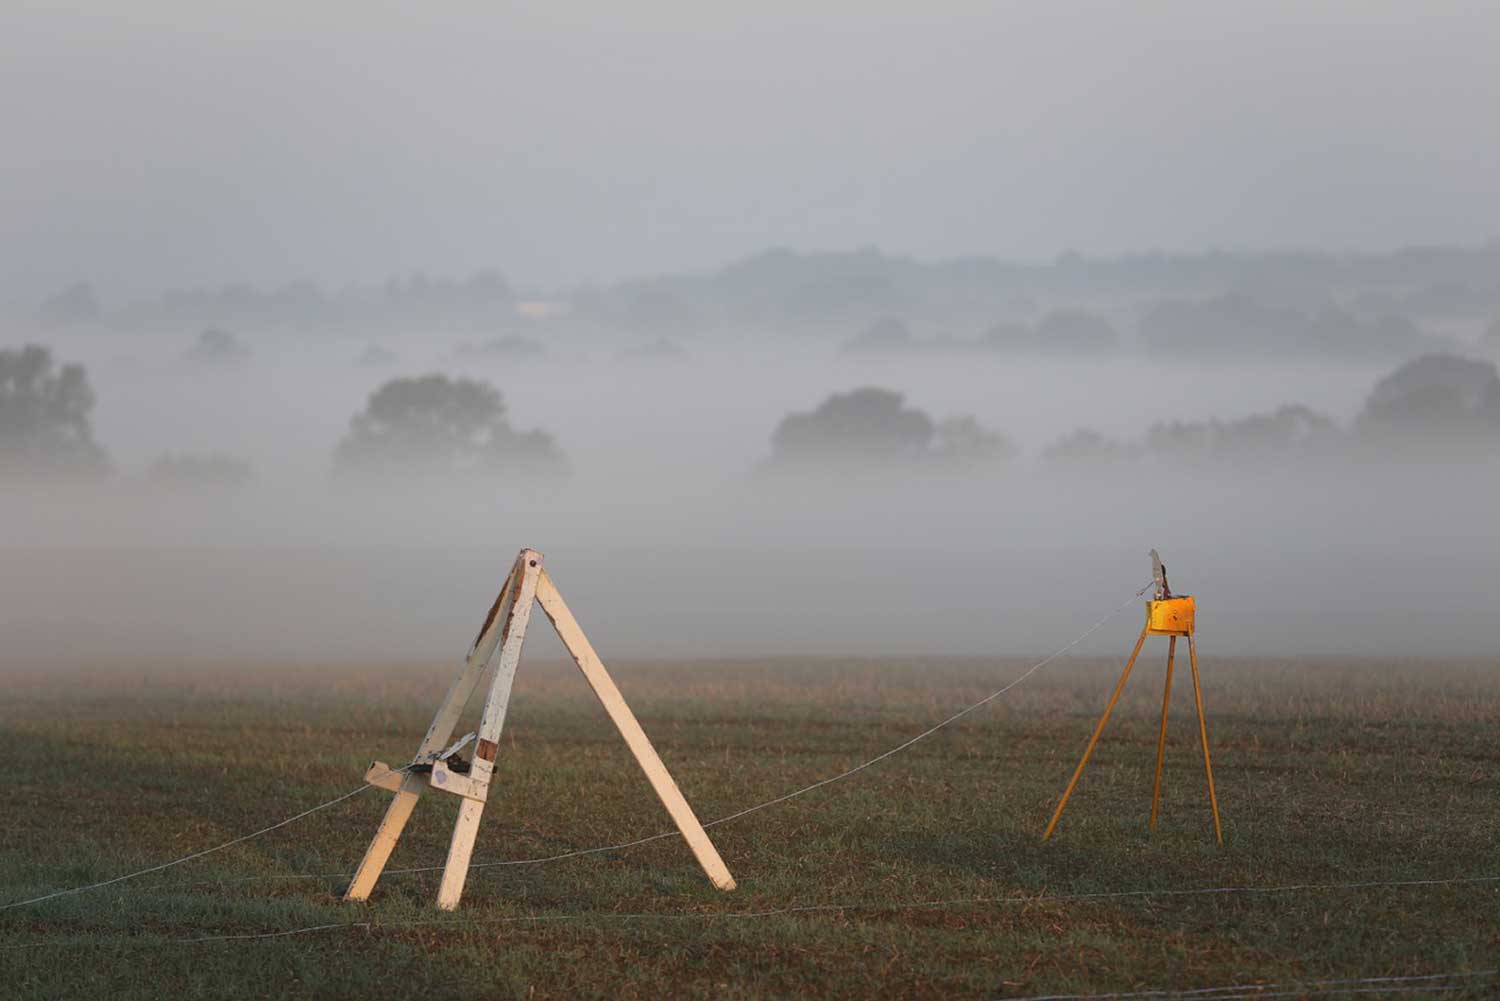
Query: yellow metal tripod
x=1171, y=617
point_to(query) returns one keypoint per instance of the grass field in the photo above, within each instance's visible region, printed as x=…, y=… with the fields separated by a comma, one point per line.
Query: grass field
x=1327, y=772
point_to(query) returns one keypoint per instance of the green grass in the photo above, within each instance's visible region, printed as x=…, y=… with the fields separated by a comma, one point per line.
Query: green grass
x=1327, y=772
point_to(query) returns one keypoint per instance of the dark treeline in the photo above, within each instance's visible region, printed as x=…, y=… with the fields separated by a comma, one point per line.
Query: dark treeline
x=1395, y=304
x=1436, y=405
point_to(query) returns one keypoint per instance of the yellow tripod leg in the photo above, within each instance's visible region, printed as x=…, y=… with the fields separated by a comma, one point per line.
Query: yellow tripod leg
x=1095, y=738
x=1161, y=742
x=1213, y=799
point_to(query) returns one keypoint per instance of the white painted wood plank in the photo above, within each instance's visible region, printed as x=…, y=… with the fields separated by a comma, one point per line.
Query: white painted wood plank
x=635, y=738
x=386, y=835
x=513, y=636
x=529, y=567
x=460, y=851
x=480, y=653
x=446, y=718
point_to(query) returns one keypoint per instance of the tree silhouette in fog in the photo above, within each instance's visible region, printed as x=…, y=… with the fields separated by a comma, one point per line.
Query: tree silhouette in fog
x=44, y=416
x=962, y=442
x=1075, y=330
x=1290, y=429
x=1087, y=447
x=433, y=424
x=867, y=424
x=221, y=348
x=873, y=428
x=1436, y=394
x=1265, y=321
x=1062, y=331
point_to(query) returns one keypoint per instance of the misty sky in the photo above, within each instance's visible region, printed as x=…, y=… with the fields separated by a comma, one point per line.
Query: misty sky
x=161, y=143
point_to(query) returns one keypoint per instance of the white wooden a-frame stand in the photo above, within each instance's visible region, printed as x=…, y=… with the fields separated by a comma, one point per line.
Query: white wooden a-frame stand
x=435, y=764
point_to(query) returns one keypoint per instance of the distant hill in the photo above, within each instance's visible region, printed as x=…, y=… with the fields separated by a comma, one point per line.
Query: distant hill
x=1215, y=302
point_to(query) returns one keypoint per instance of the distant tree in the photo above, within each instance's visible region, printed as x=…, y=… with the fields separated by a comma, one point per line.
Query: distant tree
x=867, y=425
x=1292, y=426
x=962, y=443
x=872, y=428
x=1085, y=447
x=1436, y=394
x=1183, y=439
x=1290, y=429
x=1060, y=331
x=512, y=347
x=434, y=425
x=485, y=286
x=891, y=336
x=215, y=347
x=841, y=295
x=44, y=416
x=1248, y=322
x=298, y=304
x=1075, y=330
x=654, y=309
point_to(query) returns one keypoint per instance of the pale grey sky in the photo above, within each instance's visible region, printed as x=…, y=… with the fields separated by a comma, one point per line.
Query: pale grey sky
x=161, y=143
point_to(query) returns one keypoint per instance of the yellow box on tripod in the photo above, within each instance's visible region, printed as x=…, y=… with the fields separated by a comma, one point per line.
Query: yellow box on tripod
x=1170, y=616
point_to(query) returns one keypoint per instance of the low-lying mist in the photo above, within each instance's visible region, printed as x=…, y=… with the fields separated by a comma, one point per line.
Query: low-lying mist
x=674, y=533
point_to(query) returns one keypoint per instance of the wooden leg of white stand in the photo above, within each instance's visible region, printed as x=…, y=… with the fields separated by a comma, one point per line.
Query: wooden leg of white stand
x=513, y=635
x=452, y=707
x=645, y=755
x=386, y=835
x=460, y=852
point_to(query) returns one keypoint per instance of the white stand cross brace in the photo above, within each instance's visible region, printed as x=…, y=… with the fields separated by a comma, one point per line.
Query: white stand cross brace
x=505, y=627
